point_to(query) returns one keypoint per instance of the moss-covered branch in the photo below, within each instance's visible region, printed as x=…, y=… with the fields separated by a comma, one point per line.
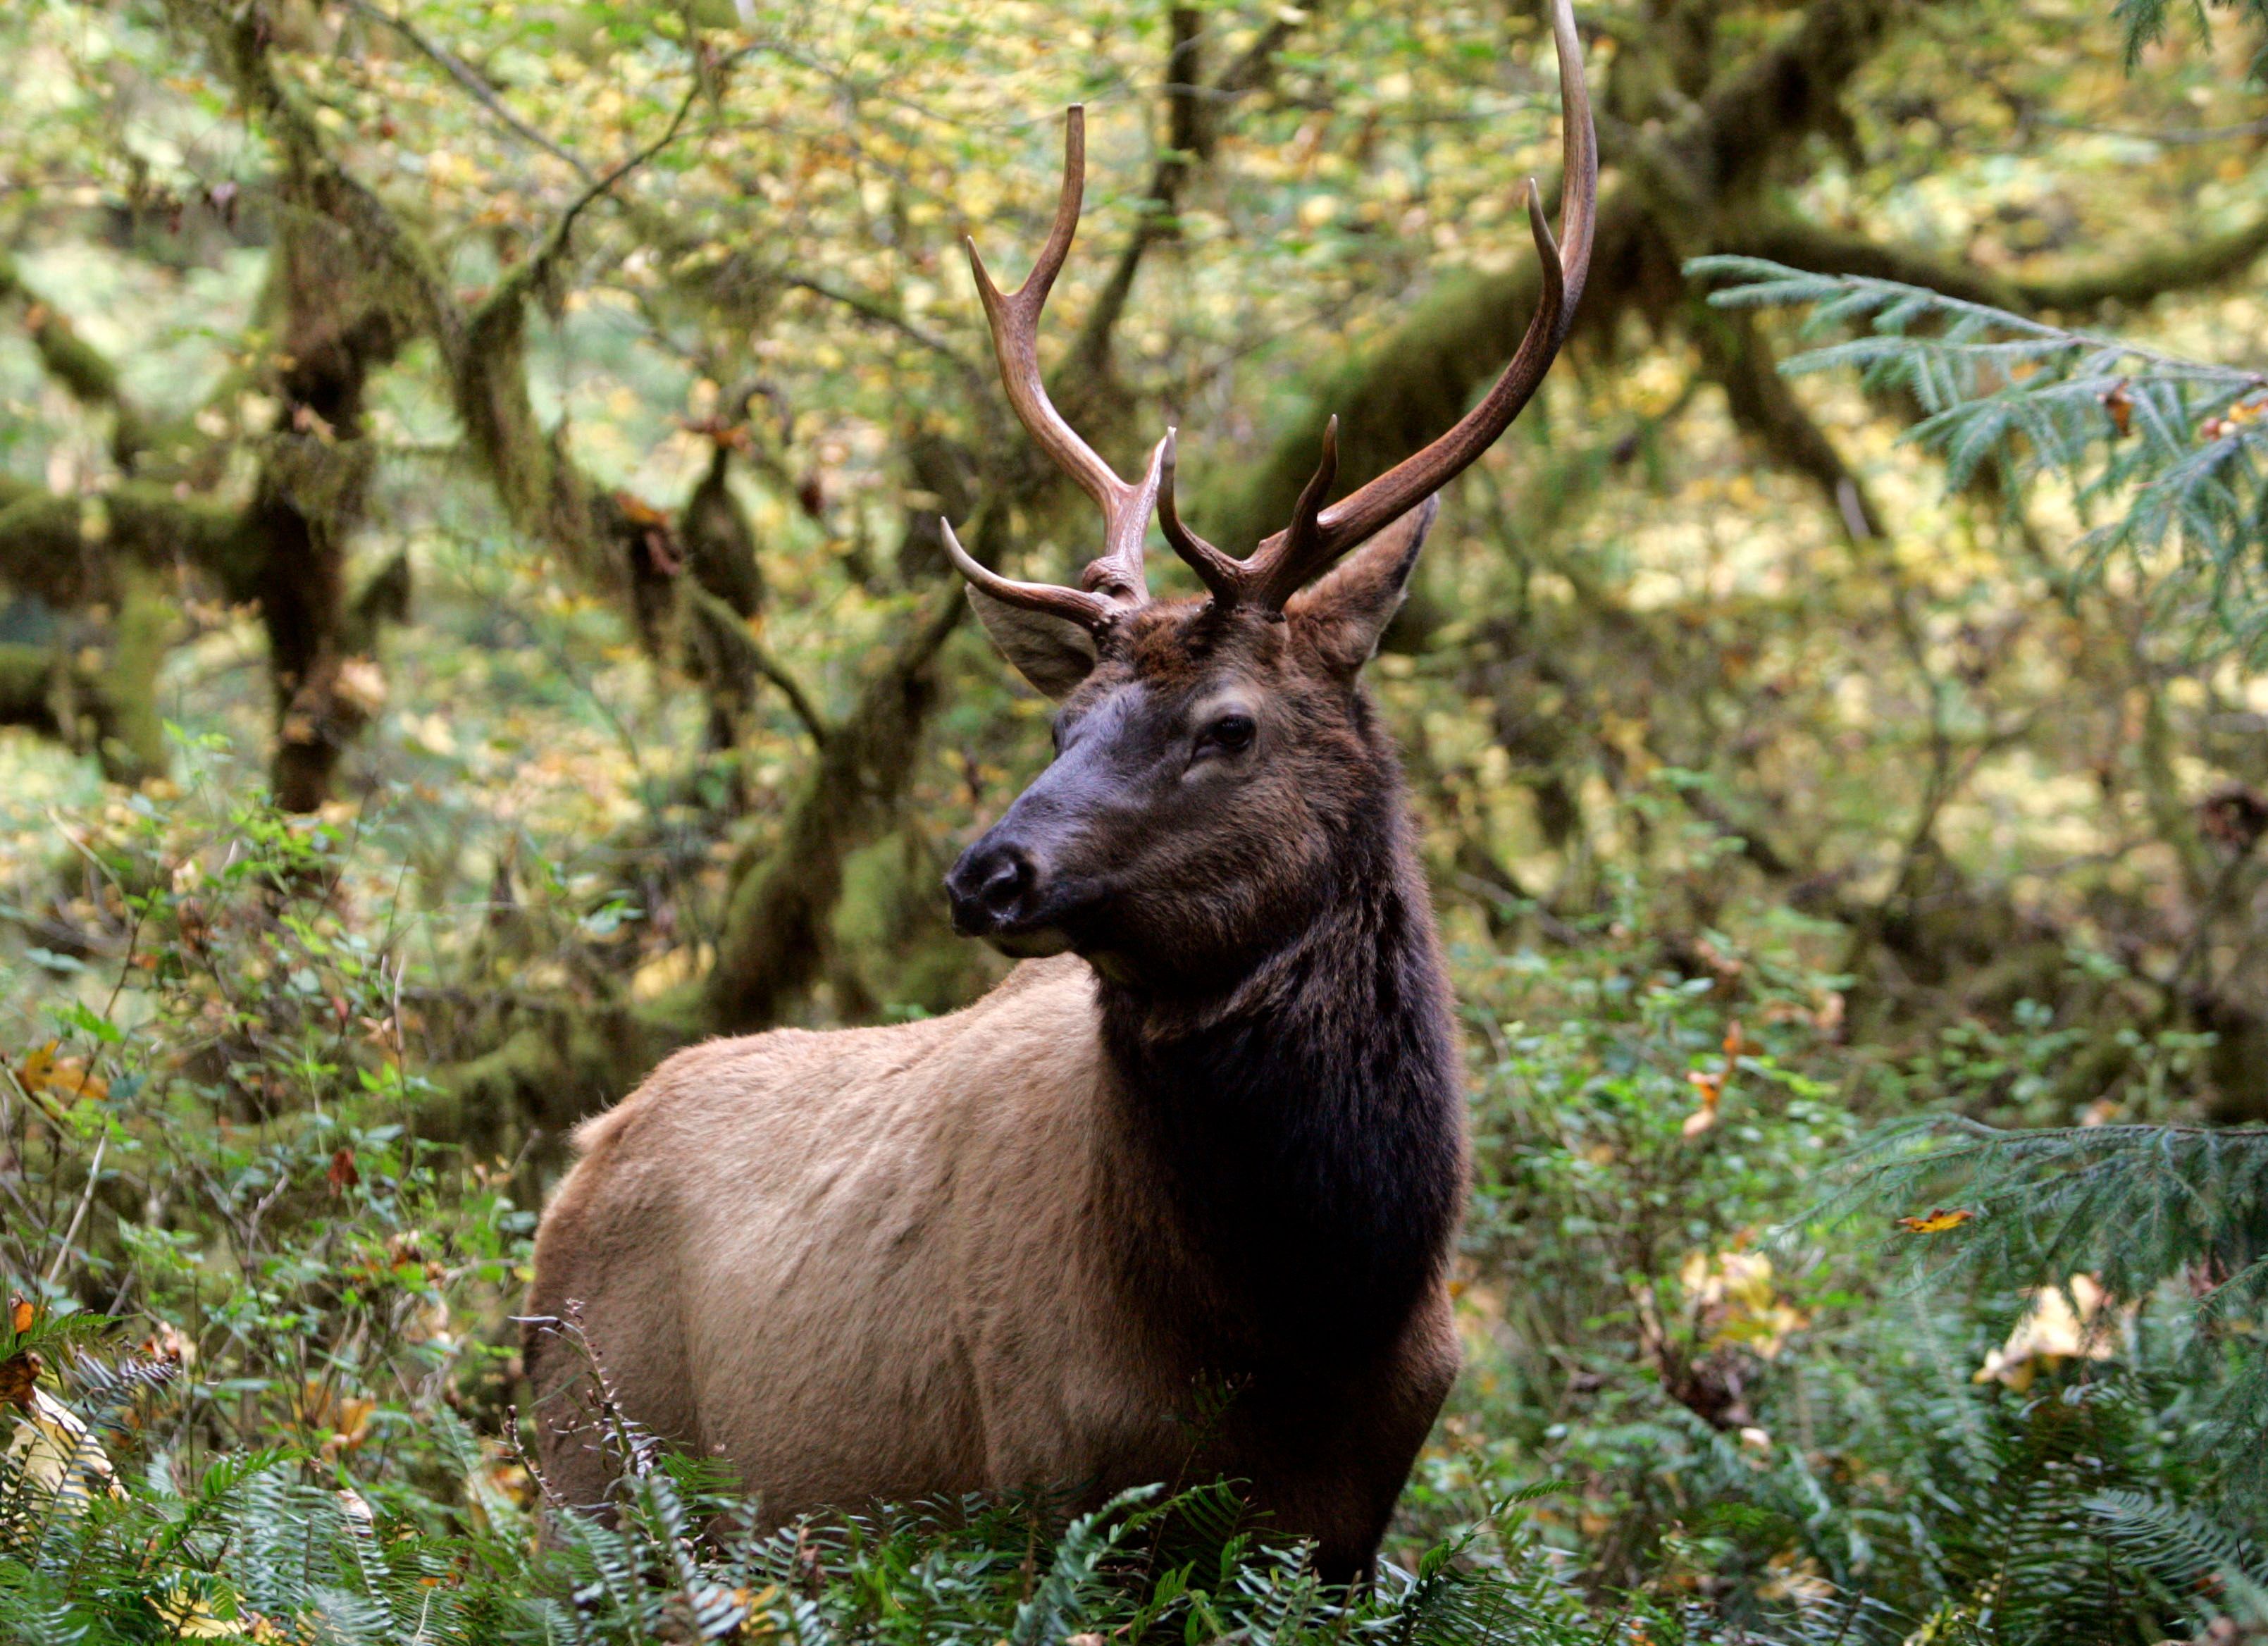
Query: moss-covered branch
x=774, y=941
x=1737, y=357
x=1700, y=167
x=1791, y=90
x=85, y=371
x=2177, y=263
x=734, y=655
x=556, y=1064
x=67, y=550
x=1406, y=390
x=1805, y=245
x=112, y=548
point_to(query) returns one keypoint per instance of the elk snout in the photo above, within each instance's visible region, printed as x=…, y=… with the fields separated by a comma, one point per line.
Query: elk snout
x=995, y=886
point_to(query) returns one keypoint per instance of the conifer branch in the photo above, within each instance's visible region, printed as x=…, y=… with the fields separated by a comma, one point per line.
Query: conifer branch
x=2158, y=451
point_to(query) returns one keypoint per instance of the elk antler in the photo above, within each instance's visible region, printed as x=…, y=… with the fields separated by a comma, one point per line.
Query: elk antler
x=1113, y=583
x=1317, y=536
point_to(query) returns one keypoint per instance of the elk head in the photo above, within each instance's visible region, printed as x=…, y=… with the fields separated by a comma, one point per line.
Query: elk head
x=1218, y=771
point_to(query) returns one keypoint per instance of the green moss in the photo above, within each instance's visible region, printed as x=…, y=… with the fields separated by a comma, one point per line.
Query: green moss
x=132, y=745
x=40, y=549
x=890, y=933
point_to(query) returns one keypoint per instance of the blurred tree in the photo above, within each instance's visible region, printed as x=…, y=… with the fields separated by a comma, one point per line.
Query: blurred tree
x=468, y=220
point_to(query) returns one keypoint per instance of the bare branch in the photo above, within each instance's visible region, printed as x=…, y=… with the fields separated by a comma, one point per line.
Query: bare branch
x=774, y=941
x=86, y=373
x=463, y=74
x=866, y=308
x=525, y=277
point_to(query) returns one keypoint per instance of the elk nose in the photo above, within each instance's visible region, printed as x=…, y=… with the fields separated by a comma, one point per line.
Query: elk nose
x=988, y=886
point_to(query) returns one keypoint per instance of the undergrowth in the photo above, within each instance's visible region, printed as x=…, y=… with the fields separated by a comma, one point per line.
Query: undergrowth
x=264, y=1382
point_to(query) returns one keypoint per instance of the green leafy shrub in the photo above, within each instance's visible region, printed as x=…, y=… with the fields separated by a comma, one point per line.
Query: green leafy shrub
x=1694, y=1411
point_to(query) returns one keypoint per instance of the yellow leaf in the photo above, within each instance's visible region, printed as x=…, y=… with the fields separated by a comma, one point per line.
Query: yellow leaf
x=42, y=1071
x=347, y=1418
x=1735, y=1297
x=198, y=1607
x=1935, y=1223
x=38, y=1063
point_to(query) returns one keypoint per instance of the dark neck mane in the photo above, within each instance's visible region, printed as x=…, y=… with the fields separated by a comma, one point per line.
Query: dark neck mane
x=1289, y=1163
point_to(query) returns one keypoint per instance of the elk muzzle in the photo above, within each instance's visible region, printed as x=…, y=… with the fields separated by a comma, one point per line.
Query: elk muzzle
x=1045, y=877
x=991, y=887
x=1002, y=892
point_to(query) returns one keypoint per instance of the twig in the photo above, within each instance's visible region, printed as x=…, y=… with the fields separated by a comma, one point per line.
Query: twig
x=866, y=308
x=622, y=169
x=483, y=93
x=770, y=668
x=71, y=1233
x=2176, y=134
x=1481, y=886
x=733, y=630
x=1191, y=131
x=528, y=275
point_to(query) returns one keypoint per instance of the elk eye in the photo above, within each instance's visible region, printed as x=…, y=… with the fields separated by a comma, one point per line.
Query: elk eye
x=1231, y=731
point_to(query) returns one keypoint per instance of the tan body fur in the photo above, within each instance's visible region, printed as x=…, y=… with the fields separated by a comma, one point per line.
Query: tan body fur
x=887, y=1263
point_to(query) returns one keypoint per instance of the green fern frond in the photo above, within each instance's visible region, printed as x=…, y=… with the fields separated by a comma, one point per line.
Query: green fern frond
x=2216, y=1568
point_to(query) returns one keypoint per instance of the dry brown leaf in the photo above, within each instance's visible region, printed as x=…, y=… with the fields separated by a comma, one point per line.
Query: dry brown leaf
x=2120, y=406
x=2052, y=1332
x=18, y=1374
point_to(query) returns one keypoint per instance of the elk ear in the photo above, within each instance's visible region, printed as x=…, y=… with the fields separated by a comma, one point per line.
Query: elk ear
x=1346, y=610
x=1053, y=653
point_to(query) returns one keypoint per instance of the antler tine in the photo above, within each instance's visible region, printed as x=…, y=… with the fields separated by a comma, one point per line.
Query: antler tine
x=1362, y=514
x=1014, y=320
x=1295, y=554
x=1092, y=612
x=1578, y=171
x=1282, y=562
x=1117, y=571
x=1223, y=575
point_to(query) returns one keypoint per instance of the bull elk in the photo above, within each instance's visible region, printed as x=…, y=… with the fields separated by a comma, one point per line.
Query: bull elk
x=1208, y=1135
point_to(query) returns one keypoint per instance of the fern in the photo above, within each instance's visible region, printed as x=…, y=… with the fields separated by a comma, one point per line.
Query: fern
x=2180, y=1213
x=2134, y=1205
x=2217, y=1571
x=1074, y=1579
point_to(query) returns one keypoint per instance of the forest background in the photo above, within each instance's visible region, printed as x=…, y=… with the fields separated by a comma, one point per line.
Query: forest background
x=475, y=620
